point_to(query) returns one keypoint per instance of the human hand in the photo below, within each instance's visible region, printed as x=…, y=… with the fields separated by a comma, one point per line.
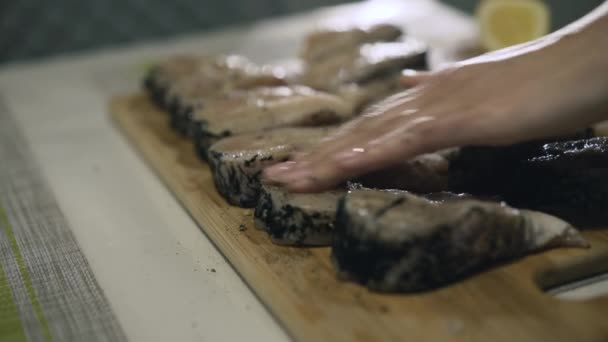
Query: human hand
x=502, y=98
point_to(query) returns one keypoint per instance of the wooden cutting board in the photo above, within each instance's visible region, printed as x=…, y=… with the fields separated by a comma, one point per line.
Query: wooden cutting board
x=299, y=285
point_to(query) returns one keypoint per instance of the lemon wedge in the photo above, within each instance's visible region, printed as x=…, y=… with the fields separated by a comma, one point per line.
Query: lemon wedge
x=505, y=23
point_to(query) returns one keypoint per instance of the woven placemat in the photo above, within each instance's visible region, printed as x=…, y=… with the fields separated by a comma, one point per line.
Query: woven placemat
x=47, y=289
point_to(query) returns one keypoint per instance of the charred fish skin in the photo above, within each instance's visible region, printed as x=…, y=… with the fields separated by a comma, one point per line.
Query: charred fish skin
x=487, y=170
x=188, y=121
x=406, y=266
x=229, y=180
x=182, y=120
x=200, y=149
x=288, y=223
x=160, y=78
x=203, y=139
x=564, y=178
x=567, y=179
x=155, y=90
x=589, y=153
x=239, y=183
x=181, y=115
x=157, y=87
x=297, y=219
x=392, y=242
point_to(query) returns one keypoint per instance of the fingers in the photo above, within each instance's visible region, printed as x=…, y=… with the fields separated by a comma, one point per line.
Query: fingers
x=352, y=155
x=307, y=174
x=387, y=134
x=411, y=78
x=322, y=168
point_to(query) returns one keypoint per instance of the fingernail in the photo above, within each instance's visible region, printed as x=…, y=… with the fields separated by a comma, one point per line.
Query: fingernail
x=278, y=169
x=409, y=73
x=296, y=174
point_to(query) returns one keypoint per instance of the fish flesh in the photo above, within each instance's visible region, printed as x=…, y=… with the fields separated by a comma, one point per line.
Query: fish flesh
x=220, y=79
x=394, y=241
x=185, y=81
x=270, y=108
x=323, y=43
x=364, y=64
x=355, y=96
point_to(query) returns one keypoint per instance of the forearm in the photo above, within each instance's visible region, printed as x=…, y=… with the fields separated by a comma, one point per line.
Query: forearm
x=586, y=54
x=598, y=16
x=589, y=28
x=569, y=67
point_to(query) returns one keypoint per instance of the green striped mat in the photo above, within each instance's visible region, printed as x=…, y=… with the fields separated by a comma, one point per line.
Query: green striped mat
x=47, y=290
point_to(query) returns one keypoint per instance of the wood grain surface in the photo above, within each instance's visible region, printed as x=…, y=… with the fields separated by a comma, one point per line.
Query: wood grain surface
x=299, y=285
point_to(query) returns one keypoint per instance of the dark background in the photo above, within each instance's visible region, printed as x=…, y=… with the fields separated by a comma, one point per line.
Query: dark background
x=37, y=28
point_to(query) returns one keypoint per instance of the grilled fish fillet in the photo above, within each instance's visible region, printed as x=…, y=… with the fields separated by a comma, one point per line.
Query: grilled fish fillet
x=237, y=162
x=297, y=219
x=364, y=64
x=320, y=44
x=398, y=242
x=270, y=108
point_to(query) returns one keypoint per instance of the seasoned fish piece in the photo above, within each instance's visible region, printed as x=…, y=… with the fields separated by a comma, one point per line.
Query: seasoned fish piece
x=320, y=44
x=271, y=108
x=422, y=174
x=364, y=64
x=297, y=219
x=485, y=169
x=214, y=84
x=238, y=161
x=565, y=178
x=183, y=120
x=212, y=81
x=308, y=219
x=180, y=82
x=395, y=241
x=574, y=154
x=202, y=93
x=160, y=77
